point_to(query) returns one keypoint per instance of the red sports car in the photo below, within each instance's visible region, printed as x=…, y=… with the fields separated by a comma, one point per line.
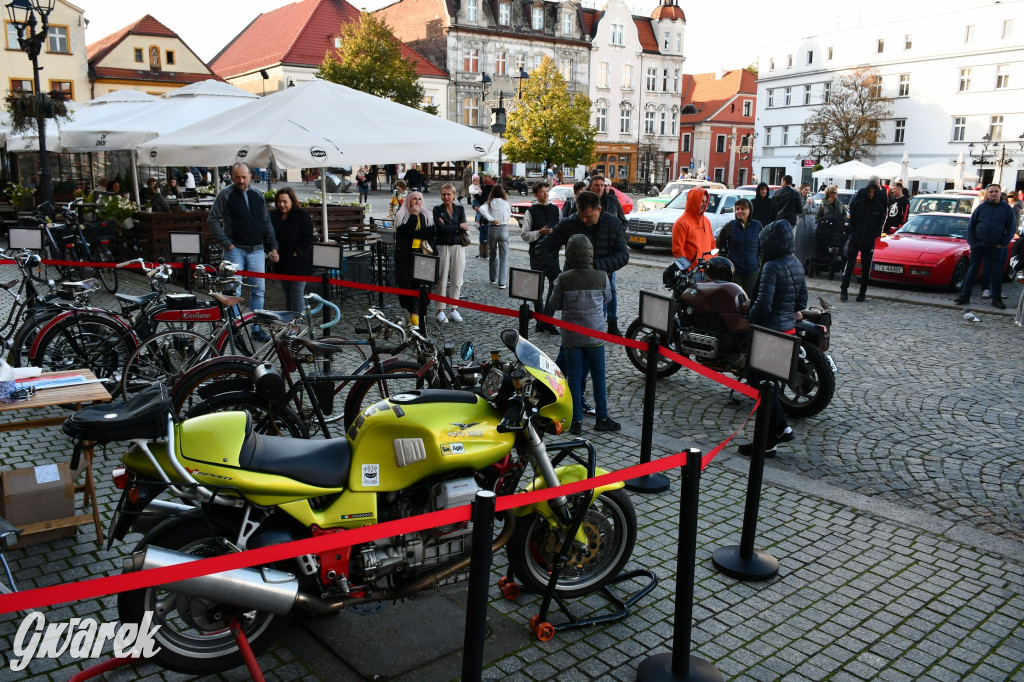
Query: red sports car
x=930, y=249
x=558, y=195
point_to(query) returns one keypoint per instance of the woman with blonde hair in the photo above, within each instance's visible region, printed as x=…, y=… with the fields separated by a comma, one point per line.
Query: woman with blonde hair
x=450, y=223
x=497, y=211
x=413, y=226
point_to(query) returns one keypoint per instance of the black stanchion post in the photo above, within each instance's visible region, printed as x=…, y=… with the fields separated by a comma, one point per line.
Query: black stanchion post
x=524, y=320
x=325, y=286
x=657, y=482
x=680, y=665
x=186, y=266
x=743, y=562
x=424, y=302
x=479, y=577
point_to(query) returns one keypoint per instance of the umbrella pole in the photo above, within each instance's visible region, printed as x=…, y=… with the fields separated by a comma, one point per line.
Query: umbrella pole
x=323, y=200
x=135, y=177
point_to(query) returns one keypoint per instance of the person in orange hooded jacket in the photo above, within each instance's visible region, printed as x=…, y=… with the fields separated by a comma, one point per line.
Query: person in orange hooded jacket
x=692, y=236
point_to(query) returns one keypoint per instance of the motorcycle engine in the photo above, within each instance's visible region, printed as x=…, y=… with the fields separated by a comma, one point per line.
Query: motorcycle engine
x=421, y=552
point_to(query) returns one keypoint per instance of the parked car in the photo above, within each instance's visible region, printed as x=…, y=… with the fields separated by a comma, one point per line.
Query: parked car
x=654, y=228
x=753, y=188
x=844, y=195
x=558, y=195
x=942, y=203
x=670, y=192
x=930, y=249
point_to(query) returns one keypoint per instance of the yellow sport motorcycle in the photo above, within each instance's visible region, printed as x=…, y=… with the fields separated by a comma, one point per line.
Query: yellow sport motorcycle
x=418, y=451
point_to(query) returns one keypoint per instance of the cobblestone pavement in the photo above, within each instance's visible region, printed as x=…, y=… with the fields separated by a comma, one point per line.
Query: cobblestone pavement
x=896, y=515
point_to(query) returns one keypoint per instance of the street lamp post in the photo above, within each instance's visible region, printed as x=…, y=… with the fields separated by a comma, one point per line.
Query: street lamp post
x=23, y=15
x=498, y=120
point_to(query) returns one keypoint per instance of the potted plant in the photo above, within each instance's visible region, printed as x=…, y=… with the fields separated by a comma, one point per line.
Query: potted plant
x=88, y=214
x=21, y=197
x=119, y=209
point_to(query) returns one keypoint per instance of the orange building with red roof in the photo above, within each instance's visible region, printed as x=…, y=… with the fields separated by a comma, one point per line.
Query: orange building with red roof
x=285, y=46
x=145, y=56
x=716, y=126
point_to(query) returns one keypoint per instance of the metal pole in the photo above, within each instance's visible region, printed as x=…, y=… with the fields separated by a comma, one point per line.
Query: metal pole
x=524, y=320
x=657, y=482
x=479, y=577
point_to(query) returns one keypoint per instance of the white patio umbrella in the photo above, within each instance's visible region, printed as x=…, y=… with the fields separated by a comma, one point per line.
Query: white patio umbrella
x=958, y=175
x=888, y=170
x=851, y=170
x=319, y=124
x=905, y=169
x=939, y=170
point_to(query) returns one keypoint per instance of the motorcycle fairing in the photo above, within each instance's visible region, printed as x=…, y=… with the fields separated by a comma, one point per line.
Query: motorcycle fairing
x=569, y=473
x=547, y=373
x=350, y=509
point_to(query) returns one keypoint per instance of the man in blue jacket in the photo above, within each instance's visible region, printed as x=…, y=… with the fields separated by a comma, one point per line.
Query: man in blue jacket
x=989, y=233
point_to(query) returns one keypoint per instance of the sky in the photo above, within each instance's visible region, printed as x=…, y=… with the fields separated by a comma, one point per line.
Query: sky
x=719, y=35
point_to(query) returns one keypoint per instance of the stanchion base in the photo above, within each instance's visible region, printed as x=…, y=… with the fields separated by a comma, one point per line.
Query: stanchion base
x=652, y=483
x=659, y=669
x=761, y=566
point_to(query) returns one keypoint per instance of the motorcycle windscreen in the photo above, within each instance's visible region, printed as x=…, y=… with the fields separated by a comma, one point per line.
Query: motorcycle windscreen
x=545, y=371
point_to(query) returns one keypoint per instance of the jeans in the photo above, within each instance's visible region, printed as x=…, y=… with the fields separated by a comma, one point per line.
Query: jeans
x=611, y=311
x=577, y=358
x=253, y=262
x=987, y=259
x=453, y=265
x=497, y=239
x=293, y=292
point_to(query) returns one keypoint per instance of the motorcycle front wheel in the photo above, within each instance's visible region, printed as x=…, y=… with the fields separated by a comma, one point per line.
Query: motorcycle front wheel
x=610, y=527
x=195, y=637
x=812, y=389
x=637, y=331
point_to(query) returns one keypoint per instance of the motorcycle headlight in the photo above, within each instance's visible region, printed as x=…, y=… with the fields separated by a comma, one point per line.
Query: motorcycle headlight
x=496, y=385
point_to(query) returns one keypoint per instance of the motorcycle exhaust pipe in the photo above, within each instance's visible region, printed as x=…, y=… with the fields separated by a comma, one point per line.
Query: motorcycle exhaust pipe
x=263, y=589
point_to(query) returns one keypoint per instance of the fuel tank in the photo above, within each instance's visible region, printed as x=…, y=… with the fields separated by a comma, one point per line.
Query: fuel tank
x=724, y=299
x=422, y=433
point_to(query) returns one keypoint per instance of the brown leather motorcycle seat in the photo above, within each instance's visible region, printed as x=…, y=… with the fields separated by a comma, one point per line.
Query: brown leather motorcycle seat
x=321, y=463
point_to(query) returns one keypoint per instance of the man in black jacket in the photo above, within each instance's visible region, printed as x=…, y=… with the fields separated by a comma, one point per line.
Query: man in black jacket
x=867, y=214
x=610, y=206
x=989, y=232
x=538, y=222
x=899, y=209
x=786, y=202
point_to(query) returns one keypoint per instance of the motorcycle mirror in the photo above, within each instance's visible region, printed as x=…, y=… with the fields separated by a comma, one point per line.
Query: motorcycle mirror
x=468, y=352
x=510, y=337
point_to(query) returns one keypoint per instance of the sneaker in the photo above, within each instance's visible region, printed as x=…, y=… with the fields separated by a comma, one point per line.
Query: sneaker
x=502, y=286
x=263, y=337
x=986, y=294
x=576, y=428
x=613, y=328
x=589, y=409
x=962, y=300
x=998, y=303
x=786, y=435
x=607, y=424
x=442, y=318
x=454, y=316
x=493, y=281
x=746, y=449
x=843, y=296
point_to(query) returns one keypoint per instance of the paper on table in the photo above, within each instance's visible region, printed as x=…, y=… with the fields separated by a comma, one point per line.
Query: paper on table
x=26, y=372
x=47, y=473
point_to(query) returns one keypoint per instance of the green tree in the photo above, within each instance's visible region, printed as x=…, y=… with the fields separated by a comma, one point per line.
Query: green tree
x=549, y=123
x=849, y=124
x=370, y=59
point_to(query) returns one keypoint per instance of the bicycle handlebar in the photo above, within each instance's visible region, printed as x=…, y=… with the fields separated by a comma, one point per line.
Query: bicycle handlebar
x=320, y=304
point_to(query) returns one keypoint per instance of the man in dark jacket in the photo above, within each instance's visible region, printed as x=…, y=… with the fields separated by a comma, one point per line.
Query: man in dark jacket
x=538, y=222
x=781, y=292
x=604, y=231
x=761, y=204
x=989, y=232
x=867, y=214
x=787, y=203
x=899, y=209
x=610, y=206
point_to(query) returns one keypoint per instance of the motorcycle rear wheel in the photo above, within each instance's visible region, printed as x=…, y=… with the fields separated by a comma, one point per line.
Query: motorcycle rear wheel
x=637, y=331
x=813, y=388
x=610, y=527
x=194, y=637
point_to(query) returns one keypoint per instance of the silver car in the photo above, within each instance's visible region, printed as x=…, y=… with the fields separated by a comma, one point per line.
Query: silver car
x=654, y=228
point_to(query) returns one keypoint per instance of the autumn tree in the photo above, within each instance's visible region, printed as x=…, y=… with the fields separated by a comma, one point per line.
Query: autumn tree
x=370, y=59
x=548, y=123
x=848, y=124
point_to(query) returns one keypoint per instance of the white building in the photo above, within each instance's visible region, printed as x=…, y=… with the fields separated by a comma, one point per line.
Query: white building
x=954, y=76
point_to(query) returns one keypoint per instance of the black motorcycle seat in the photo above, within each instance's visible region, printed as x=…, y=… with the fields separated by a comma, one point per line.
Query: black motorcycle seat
x=321, y=463
x=144, y=416
x=137, y=300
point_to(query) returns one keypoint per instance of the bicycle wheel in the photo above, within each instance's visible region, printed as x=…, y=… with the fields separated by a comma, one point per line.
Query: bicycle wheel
x=267, y=420
x=87, y=340
x=55, y=271
x=367, y=392
x=246, y=341
x=163, y=358
x=33, y=323
x=225, y=374
x=108, y=276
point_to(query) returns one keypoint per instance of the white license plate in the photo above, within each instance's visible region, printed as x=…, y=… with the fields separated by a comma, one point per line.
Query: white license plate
x=891, y=269
x=831, y=363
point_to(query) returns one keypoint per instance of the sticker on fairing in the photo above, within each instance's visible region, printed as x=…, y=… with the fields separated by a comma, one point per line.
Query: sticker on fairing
x=547, y=364
x=371, y=475
x=453, y=449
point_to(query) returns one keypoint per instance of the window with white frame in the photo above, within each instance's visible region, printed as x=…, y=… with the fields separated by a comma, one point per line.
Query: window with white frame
x=663, y=123
x=520, y=63
x=625, y=118
x=995, y=128
x=807, y=94
x=675, y=121
x=880, y=47
x=900, y=134
x=601, y=120
x=648, y=123
x=904, y=85
x=565, y=66
x=12, y=36
x=472, y=9
x=719, y=144
x=617, y=34
x=679, y=42
x=667, y=38
x=602, y=75
x=965, y=80
x=675, y=81
x=686, y=142
x=810, y=56
x=505, y=14
x=537, y=59
x=826, y=92
x=789, y=61
x=959, y=128
x=771, y=64
x=470, y=111
x=627, y=76
x=664, y=80
x=652, y=78
x=57, y=40
x=1007, y=28
x=908, y=41
x=785, y=135
x=471, y=60
x=876, y=87
x=771, y=98
x=789, y=96
x=567, y=23
x=537, y=18
x=21, y=85
x=768, y=137
x=1002, y=76
x=748, y=107
x=501, y=63
x=969, y=34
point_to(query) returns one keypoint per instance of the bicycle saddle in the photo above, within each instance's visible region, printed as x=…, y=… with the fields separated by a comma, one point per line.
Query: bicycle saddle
x=137, y=300
x=282, y=317
x=322, y=348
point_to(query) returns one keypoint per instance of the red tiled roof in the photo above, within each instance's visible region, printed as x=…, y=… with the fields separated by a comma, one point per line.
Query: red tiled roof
x=107, y=72
x=709, y=94
x=146, y=26
x=589, y=19
x=648, y=41
x=300, y=33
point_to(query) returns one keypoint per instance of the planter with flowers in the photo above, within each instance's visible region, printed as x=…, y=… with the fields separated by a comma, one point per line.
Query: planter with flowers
x=119, y=209
x=21, y=197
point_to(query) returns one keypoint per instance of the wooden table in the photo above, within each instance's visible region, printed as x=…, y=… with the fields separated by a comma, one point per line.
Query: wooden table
x=77, y=395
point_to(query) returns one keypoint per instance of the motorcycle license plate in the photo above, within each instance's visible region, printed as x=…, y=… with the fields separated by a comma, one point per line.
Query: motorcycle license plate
x=638, y=240
x=832, y=363
x=885, y=267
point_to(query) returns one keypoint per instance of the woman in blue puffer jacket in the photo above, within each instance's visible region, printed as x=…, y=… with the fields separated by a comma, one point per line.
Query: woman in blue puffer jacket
x=739, y=242
x=781, y=293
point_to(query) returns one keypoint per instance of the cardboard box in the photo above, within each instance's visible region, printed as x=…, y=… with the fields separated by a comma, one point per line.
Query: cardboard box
x=43, y=493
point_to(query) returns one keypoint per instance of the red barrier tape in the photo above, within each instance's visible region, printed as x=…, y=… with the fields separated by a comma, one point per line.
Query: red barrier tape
x=100, y=587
